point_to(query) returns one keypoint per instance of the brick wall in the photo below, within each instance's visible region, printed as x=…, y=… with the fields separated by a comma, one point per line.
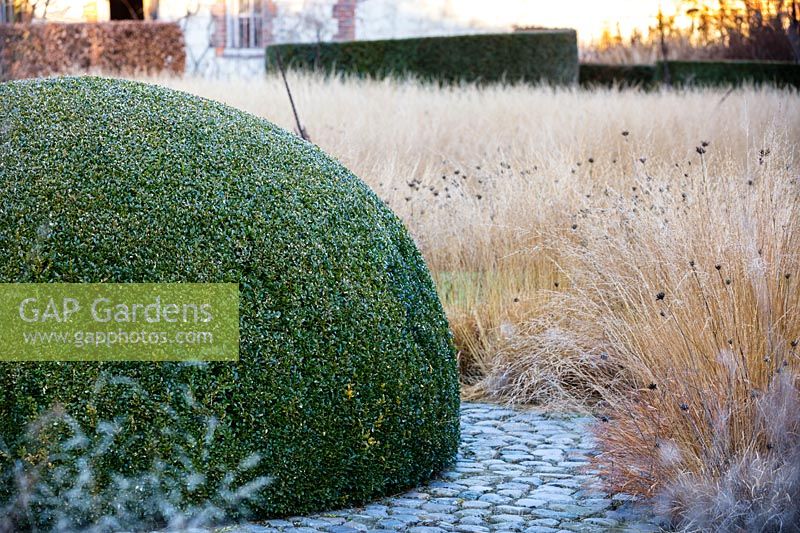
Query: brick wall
x=344, y=11
x=271, y=11
x=220, y=34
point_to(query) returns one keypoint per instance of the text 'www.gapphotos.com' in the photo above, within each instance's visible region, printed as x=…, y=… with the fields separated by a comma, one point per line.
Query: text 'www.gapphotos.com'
x=81, y=339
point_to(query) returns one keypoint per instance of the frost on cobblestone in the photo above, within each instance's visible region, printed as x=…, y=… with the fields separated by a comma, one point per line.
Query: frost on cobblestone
x=516, y=471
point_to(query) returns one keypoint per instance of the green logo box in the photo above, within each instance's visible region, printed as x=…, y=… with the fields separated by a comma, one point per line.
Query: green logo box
x=119, y=322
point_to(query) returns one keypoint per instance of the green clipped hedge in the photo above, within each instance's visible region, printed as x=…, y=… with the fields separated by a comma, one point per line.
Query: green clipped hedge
x=601, y=75
x=537, y=56
x=691, y=73
x=701, y=73
x=347, y=386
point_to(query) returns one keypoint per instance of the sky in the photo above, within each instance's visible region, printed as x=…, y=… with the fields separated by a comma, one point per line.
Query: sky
x=589, y=17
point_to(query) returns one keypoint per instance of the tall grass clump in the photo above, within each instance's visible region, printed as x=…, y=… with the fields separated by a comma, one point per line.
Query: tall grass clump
x=627, y=252
x=684, y=318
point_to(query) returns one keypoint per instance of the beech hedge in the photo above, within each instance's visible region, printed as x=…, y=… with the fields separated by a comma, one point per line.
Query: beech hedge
x=113, y=48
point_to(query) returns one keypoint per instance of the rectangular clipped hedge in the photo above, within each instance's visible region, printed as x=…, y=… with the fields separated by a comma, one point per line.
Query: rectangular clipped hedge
x=119, y=47
x=782, y=74
x=692, y=73
x=537, y=56
x=597, y=75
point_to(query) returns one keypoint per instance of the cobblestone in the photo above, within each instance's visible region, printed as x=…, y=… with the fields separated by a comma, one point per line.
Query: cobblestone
x=516, y=471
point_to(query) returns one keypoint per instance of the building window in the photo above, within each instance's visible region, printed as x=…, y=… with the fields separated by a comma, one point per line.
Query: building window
x=245, y=24
x=126, y=9
x=6, y=11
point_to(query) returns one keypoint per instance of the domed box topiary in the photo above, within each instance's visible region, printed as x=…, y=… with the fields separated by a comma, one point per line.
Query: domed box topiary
x=346, y=388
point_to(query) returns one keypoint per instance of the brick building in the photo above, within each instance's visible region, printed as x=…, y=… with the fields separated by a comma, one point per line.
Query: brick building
x=229, y=36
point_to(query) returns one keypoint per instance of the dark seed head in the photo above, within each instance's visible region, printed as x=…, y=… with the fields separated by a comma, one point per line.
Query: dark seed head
x=684, y=407
x=794, y=343
x=626, y=133
x=652, y=386
x=604, y=419
x=718, y=267
x=574, y=226
x=700, y=150
x=660, y=296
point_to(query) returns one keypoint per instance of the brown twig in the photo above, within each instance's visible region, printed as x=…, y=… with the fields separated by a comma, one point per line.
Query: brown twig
x=300, y=129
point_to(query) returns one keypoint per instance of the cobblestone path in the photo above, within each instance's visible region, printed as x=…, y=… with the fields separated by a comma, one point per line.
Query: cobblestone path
x=516, y=471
